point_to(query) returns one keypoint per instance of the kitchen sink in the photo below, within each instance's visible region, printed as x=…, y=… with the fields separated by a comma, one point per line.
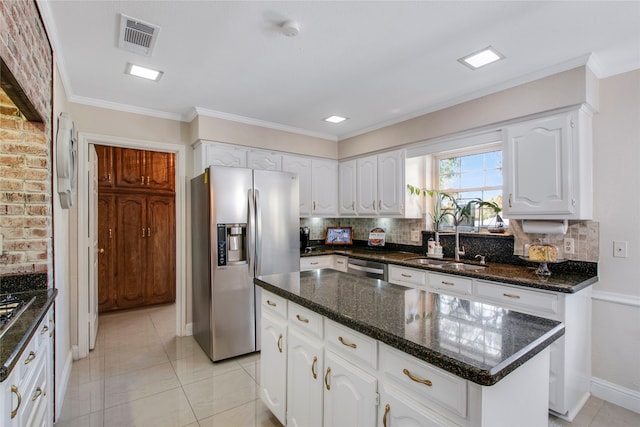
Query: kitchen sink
x=428, y=261
x=462, y=267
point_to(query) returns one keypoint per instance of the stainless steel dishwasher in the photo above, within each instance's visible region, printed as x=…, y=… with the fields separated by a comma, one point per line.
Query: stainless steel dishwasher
x=361, y=267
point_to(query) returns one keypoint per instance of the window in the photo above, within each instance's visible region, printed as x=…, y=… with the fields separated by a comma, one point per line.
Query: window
x=470, y=174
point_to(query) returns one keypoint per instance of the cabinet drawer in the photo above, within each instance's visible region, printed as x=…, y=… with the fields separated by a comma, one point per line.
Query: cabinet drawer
x=356, y=347
x=538, y=302
x=28, y=360
x=34, y=399
x=451, y=284
x=341, y=263
x=423, y=380
x=407, y=276
x=305, y=319
x=272, y=303
x=315, y=262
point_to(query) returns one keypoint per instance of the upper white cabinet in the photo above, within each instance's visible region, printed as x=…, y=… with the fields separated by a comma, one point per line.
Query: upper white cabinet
x=264, y=160
x=210, y=154
x=375, y=185
x=301, y=166
x=548, y=165
x=324, y=187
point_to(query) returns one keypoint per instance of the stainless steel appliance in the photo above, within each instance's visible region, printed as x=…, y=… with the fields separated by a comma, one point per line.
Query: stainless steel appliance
x=244, y=223
x=305, y=241
x=360, y=267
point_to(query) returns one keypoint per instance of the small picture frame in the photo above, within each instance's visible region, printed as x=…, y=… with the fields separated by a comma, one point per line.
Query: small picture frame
x=338, y=236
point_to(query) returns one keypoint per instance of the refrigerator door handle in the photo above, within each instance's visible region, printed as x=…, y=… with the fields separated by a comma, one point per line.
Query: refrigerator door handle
x=252, y=234
x=257, y=232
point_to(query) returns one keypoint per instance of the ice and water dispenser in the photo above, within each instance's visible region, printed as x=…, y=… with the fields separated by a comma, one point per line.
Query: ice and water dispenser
x=232, y=244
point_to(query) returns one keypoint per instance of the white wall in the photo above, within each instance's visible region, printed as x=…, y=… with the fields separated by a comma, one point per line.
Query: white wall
x=616, y=325
x=62, y=264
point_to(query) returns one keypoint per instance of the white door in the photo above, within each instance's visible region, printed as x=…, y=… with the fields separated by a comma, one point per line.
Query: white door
x=347, y=183
x=324, y=187
x=390, y=183
x=367, y=185
x=304, y=381
x=93, y=246
x=273, y=360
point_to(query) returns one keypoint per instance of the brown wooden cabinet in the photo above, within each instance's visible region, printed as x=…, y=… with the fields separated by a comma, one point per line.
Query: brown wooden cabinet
x=106, y=175
x=136, y=229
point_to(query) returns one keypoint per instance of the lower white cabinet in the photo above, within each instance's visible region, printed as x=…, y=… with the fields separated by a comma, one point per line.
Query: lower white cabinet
x=398, y=409
x=26, y=395
x=273, y=361
x=304, y=380
x=350, y=394
x=315, y=262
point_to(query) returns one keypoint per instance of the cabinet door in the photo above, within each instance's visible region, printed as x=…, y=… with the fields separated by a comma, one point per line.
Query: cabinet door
x=324, y=187
x=367, y=185
x=160, y=250
x=347, y=192
x=106, y=176
x=107, y=252
x=398, y=410
x=304, y=380
x=301, y=166
x=130, y=171
x=225, y=156
x=130, y=250
x=264, y=160
x=538, y=167
x=273, y=366
x=160, y=171
x=390, y=183
x=349, y=394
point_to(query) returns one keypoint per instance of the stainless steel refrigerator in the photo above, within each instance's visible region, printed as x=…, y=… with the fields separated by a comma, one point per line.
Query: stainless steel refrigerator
x=244, y=223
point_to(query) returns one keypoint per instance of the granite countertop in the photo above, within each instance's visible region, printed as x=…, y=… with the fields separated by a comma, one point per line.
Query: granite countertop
x=523, y=275
x=20, y=332
x=475, y=341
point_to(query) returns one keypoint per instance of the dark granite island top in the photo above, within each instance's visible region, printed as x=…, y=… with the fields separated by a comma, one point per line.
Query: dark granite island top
x=16, y=337
x=475, y=341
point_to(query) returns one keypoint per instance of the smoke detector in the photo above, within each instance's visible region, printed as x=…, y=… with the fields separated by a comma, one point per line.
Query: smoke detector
x=137, y=36
x=290, y=28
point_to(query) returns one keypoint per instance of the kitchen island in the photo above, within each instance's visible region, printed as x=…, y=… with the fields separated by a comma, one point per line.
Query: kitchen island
x=441, y=359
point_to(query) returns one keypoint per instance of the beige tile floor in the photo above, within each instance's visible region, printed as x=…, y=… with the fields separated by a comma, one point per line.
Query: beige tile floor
x=141, y=374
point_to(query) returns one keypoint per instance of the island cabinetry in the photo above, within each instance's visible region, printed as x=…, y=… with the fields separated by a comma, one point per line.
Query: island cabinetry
x=547, y=167
x=273, y=356
x=26, y=394
x=305, y=367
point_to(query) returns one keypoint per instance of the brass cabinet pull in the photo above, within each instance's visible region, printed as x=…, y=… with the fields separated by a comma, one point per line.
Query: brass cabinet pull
x=44, y=330
x=142, y=231
x=340, y=262
x=387, y=408
x=272, y=304
x=302, y=319
x=406, y=275
x=280, y=343
x=448, y=283
x=14, y=412
x=148, y=231
x=110, y=234
x=142, y=178
x=101, y=250
x=53, y=327
x=510, y=205
x=353, y=206
x=326, y=379
x=314, y=205
x=30, y=357
x=511, y=296
x=37, y=394
x=416, y=379
x=148, y=180
x=313, y=367
x=109, y=177
x=314, y=263
x=347, y=343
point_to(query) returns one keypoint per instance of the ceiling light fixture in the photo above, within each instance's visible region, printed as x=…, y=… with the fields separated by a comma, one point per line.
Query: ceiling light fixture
x=145, y=73
x=335, y=119
x=290, y=28
x=481, y=58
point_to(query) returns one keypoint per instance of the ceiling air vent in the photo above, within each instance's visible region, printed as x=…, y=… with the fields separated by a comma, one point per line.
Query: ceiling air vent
x=137, y=36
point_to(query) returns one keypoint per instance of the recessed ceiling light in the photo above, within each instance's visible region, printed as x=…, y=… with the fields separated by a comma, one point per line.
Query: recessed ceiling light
x=335, y=119
x=481, y=58
x=145, y=73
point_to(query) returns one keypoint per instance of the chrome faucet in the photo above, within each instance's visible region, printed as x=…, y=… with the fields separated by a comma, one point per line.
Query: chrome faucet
x=458, y=250
x=482, y=261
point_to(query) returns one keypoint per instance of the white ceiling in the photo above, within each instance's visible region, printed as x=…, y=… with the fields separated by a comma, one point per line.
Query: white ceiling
x=376, y=62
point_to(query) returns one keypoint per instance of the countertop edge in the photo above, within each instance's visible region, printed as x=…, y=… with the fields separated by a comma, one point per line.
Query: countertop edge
x=7, y=367
x=442, y=361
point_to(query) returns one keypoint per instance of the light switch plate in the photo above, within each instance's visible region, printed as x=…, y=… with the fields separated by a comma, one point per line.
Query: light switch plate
x=620, y=248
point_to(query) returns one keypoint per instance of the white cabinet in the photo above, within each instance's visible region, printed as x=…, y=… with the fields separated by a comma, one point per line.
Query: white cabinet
x=301, y=166
x=27, y=394
x=316, y=262
x=341, y=263
x=399, y=409
x=548, y=167
x=390, y=182
x=324, y=187
x=410, y=277
x=350, y=394
x=347, y=192
x=273, y=356
x=264, y=160
x=208, y=153
x=367, y=185
x=450, y=284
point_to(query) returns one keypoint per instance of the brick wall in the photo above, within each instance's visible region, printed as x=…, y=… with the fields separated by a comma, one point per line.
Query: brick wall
x=25, y=146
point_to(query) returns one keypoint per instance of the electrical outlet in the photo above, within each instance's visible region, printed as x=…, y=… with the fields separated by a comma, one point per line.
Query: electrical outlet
x=620, y=249
x=569, y=245
x=415, y=236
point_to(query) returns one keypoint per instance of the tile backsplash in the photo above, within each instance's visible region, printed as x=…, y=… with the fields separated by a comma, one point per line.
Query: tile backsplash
x=584, y=233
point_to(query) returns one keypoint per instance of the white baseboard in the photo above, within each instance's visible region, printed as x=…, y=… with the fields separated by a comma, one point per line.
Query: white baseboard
x=61, y=385
x=75, y=352
x=189, y=329
x=621, y=396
